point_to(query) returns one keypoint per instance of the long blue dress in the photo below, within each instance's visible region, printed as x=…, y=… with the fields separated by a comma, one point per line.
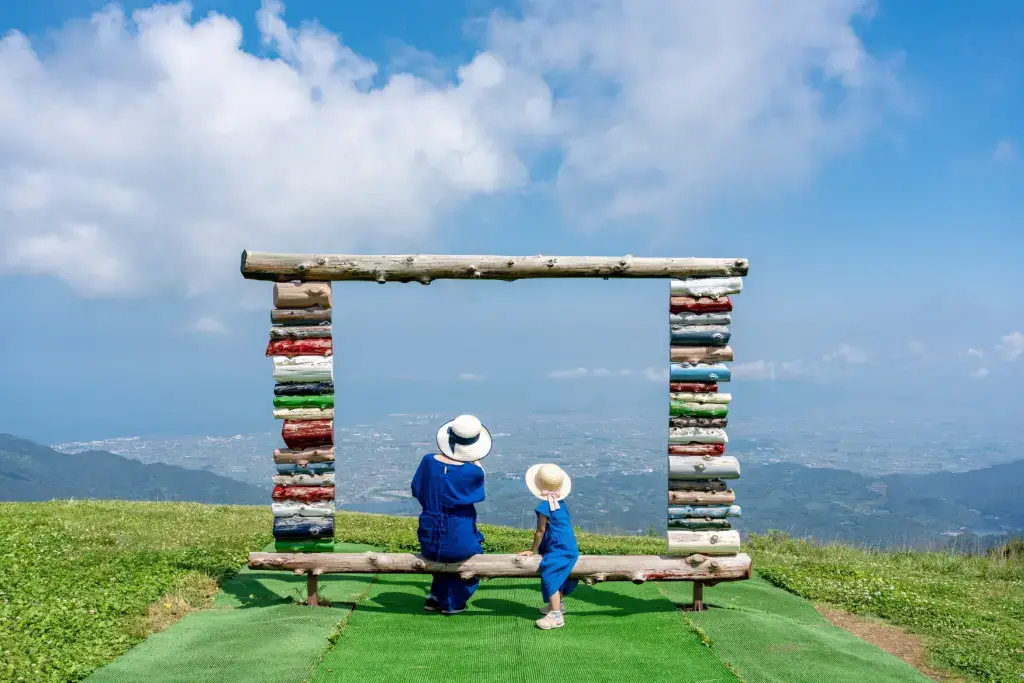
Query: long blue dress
x=559, y=551
x=447, y=530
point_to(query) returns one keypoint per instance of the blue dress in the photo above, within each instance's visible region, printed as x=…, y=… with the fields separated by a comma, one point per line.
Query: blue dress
x=559, y=551
x=447, y=530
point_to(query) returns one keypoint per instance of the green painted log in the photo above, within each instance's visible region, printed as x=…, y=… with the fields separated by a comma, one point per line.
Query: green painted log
x=699, y=524
x=683, y=409
x=306, y=546
x=322, y=401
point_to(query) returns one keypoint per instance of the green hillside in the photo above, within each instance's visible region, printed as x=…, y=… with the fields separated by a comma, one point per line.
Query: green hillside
x=82, y=585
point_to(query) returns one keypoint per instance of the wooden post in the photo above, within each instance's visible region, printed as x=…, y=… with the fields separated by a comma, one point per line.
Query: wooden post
x=311, y=586
x=698, y=596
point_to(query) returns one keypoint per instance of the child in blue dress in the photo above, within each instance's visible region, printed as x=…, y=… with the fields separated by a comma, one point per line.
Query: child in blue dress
x=554, y=539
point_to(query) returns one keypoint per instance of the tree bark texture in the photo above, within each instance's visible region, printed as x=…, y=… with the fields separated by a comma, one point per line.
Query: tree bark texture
x=302, y=294
x=304, y=456
x=704, y=542
x=699, y=354
x=727, y=497
x=313, y=315
x=305, y=413
x=301, y=332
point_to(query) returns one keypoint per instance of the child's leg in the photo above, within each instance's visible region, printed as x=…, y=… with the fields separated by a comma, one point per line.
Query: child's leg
x=556, y=601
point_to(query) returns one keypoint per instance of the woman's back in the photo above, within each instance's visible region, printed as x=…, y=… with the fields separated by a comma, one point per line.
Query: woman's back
x=445, y=487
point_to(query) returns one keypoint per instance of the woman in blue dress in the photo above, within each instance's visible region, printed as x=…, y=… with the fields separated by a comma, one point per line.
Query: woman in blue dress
x=554, y=539
x=448, y=484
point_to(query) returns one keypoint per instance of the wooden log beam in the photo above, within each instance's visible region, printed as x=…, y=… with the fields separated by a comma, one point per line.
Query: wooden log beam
x=589, y=568
x=425, y=268
x=302, y=294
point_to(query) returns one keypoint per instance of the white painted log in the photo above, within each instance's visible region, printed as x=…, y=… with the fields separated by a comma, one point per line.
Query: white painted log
x=304, y=479
x=675, y=319
x=427, y=267
x=710, y=286
x=291, y=508
x=704, y=542
x=688, y=467
x=709, y=397
x=304, y=413
x=697, y=435
x=302, y=294
x=303, y=369
x=589, y=568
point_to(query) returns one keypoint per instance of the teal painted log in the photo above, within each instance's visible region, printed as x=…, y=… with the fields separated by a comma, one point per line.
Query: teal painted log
x=321, y=401
x=689, y=397
x=699, y=335
x=697, y=435
x=706, y=286
x=698, y=372
x=683, y=409
x=703, y=467
x=710, y=511
x=700, y=319
x=305, y=546
x=699, y=524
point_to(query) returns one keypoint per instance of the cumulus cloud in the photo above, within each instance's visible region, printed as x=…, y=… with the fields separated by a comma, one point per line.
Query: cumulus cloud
x=152, y=148
x=1005, y=152
x=760, y=370
x=1012, y=346
x=209, y=325
x=973, y=353
x=845, y=353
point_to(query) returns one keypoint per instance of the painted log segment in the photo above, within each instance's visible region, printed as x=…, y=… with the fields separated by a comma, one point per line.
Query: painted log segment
x=699, y=354
x=306, y=413
x=697, y=435
x=706, y=422
x=588, y=568
x=693, y=448
x=727, y=497
x=699, y=524
x=303, y=527
x=313, y=315
x=425, y=268
x=699, y=319
x=706, y=485
x=698, y=372
x=303, y=494
x=319, y=479
x=308, y=455
x=307, y=468
x=298, y=332
x=315, y=401
x=290, y=509
x=303, y=369
x=685, y=409
x=709, y=286
x=689, y=304
x=693, y=387
x=691, y=397
x=302, y=294
x=300, y=435
x=688, y=467
x=304, y=388
x=709, y=511
x=699, y=335
x=300, y=347
x=325, y=545
x=704, y=542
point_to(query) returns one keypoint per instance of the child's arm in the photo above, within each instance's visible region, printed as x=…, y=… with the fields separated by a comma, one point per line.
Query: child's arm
x=538, y=536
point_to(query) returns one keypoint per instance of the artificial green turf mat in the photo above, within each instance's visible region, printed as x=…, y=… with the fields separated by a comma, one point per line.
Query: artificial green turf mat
x=770, y=636
x=616, y=632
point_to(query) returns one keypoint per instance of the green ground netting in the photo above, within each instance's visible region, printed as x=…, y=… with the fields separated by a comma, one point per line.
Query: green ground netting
x=770, y=636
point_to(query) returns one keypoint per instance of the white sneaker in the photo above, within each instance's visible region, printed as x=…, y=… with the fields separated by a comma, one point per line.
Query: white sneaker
x=550, y=621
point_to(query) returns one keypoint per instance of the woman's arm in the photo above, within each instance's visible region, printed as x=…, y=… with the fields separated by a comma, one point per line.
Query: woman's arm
x=417, y=480
x=538, y=536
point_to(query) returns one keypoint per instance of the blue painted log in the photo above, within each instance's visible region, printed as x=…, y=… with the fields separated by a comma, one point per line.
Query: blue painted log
x=310, y=468
x=689, y=467
x=699, y=335
x=304, y=389
x=711, y=511
x=706, y=286
x=700, y=319
x=698, y=372
x=290, y=528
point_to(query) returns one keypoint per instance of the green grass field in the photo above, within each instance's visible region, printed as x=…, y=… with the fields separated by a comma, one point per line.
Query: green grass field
x=82, y=585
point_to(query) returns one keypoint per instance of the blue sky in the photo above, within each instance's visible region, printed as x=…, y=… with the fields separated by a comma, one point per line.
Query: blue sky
x=868, y=159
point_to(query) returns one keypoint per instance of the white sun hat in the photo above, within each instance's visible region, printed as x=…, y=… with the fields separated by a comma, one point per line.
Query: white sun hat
x=464, y=439
x=548, y=482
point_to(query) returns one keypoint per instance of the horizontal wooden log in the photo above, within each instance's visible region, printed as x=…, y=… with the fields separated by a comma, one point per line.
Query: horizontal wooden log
x=699, y=524
x=727, y=497
x=311, y=479
x=698, y=372
x=299, y=527
x=698, y=335
x=699, y=319
x=688, y=467
x=700, y=511
x=319, y=545
x=309, y=468
x=291, y=509
x=694, y=397
x=302, y=294
x=706, y=485
x=303, y=369
x=708, y=286
x=300, y=435
x=706, y=422
x=697, y=435
x=699, y=354
x=689, y=304
x=588, y=568
x=704, y=542
x=686, y=409
x=306, y=413
x=304, y=389
x=314, y=315
x=425, y=268
x=321, y=331
x=693, y=448
x=321, y=401
x=693, y=387
x=300, y=347
x=303, y=494
x=284, y=456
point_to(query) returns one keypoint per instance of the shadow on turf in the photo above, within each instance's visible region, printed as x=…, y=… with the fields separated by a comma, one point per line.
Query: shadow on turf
x=251, y=589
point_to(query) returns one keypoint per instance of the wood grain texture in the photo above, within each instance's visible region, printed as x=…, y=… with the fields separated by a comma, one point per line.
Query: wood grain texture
x=699, y=354
x=704, y=542
x=313, y=315
x=303, y=369
x=290, y=509
x=692, y=448
x=706, y=422
x=302, y=294
x=322, y=331
x=303, y=388
x=695, y=397
x=588, y=568
x=309, y=468
x=689, y=467
x=706, y=287
x=686, y=409
x=698, y=372
x=726, y=497
x=321, y=401
x=689, y=304
x=425, y=268
x=699, y=319
x=325, y=479
x=287, y=456
x=709, y=511
x=306, y=413
x=693, y=387
x=300, y=347
x=303, y=527
x=300, y=435
x=699, y=335
x=697, y=435
x=318, y=545
x=705, y=485
x=303, y=494
x=699, y=524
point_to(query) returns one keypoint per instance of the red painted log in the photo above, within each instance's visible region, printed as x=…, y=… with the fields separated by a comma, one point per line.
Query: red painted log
x=697, y=449
x=300, y=347
x=303, y=494
x=693, y=387
x=688, y=304
x=307, y=433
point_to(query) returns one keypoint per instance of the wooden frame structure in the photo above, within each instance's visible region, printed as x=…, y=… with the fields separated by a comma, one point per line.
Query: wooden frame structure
x=702, y=546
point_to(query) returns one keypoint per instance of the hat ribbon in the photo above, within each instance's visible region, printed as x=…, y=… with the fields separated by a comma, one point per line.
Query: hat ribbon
x=454, y=439
x=552, y=498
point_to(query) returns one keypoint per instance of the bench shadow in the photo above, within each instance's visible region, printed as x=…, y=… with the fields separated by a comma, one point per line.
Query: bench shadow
x=267, y=588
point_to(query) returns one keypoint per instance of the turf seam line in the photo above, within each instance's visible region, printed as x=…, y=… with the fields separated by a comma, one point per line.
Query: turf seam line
x=339, y=629
x=705, y=639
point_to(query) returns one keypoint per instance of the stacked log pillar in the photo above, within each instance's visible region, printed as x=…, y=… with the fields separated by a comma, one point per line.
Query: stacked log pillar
x=700, y=502
x=301, y=348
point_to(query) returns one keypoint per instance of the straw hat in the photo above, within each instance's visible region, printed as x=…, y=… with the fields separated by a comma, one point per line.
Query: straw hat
x=464, y=439
x=548, y=477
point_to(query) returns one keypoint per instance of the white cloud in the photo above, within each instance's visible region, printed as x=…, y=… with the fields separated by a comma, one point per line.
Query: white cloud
x=845, y=353
x=209, y=325
x=569, y=374
x=1005, y=152
x=152, y=149
x=1012, y=346
x=980, y=373
x=760, y=370
x=973, y=353
x=576, y=373
x=470, y=377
